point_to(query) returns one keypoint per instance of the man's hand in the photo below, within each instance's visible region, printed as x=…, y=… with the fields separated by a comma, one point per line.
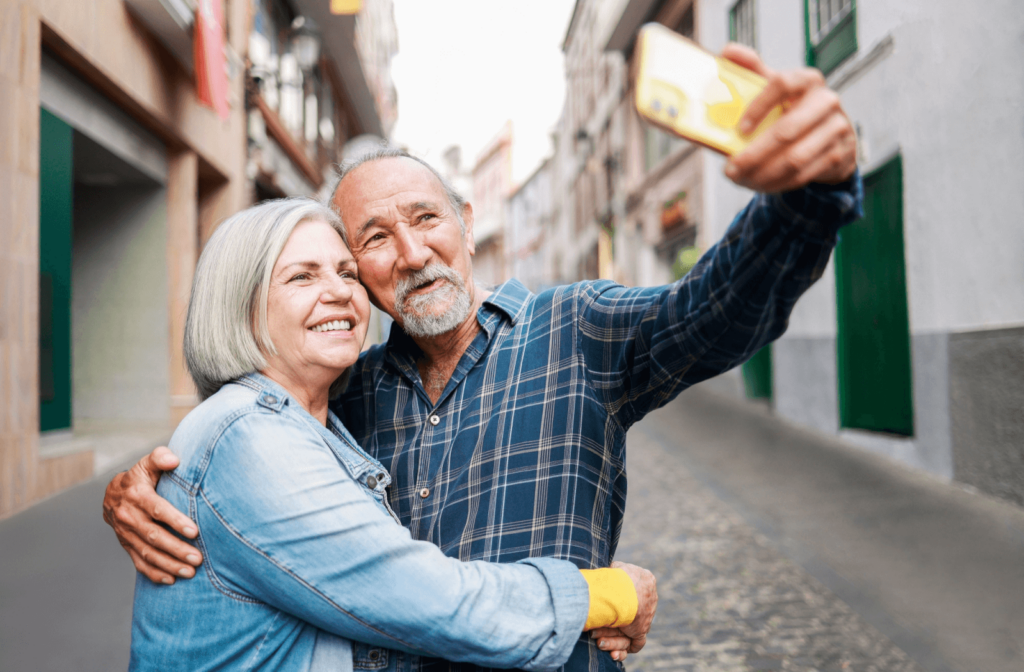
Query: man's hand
x=631, y=638
x=132, y=507
x=813, y=140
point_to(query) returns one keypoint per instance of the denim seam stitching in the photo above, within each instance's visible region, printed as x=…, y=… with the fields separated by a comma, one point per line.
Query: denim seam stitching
x=259, y=647
x=211, y=573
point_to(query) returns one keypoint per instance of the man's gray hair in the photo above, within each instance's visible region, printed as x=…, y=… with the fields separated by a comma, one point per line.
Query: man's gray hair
x=226, y=331
x=455, y=199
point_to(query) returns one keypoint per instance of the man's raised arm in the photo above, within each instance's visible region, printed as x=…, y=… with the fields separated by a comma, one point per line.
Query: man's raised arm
x=644, y=345
x=132, y=507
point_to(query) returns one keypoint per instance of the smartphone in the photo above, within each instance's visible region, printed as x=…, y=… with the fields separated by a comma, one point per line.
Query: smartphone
x=688, y=91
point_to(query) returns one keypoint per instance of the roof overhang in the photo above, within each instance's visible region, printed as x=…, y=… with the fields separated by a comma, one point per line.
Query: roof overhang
x=635, y=14
x=338, y=34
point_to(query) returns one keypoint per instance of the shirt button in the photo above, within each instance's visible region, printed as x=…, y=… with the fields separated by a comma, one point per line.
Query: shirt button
x=371, y=482
x=434, y=420
x=425, y=492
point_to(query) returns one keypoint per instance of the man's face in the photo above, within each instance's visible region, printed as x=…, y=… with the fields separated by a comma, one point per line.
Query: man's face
x=413, y=258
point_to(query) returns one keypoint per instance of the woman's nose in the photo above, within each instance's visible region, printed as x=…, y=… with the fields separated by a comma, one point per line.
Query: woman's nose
x=338, y=291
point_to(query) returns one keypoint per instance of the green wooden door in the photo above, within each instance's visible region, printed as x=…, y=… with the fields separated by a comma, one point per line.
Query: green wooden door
x=55, y=199
x=757, y=374
x=873, y=344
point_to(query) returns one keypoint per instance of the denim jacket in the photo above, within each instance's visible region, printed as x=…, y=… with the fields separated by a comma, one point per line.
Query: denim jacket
x=306, y=568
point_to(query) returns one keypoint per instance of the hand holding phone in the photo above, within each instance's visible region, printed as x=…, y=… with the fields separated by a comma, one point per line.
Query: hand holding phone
x=692, y=93
x=811, y=138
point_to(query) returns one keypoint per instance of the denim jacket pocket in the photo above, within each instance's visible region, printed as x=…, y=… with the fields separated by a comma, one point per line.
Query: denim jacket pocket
x=368, y=657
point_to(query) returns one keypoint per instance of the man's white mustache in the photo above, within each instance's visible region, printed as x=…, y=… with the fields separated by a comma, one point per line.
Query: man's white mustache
x=427, y=274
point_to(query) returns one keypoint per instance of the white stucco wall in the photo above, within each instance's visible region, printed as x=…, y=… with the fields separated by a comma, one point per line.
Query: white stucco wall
x=948, y=94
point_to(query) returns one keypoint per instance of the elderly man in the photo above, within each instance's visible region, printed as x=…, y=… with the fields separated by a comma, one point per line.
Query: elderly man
x=502, y=415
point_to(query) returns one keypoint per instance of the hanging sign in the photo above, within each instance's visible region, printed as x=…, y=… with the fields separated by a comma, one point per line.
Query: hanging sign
x=211, y=64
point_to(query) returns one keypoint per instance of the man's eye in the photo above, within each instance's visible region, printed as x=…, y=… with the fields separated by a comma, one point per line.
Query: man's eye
x=347, y=275
x=427, y=216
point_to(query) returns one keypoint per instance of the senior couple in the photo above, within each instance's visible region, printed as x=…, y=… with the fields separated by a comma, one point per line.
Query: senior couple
x=452, y=499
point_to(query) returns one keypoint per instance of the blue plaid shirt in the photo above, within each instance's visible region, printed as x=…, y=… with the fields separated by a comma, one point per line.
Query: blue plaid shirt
x=523, y=455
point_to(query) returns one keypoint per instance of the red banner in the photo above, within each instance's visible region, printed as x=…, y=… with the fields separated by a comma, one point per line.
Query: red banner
x=210, y=62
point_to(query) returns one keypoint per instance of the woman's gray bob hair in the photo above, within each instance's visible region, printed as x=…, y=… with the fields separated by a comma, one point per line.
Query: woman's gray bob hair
x=226, y=332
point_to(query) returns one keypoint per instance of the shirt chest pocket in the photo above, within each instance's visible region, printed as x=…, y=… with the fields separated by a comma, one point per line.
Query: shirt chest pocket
x=367, y=657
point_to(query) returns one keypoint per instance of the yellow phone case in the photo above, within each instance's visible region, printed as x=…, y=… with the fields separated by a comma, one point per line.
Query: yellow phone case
x=693, y=93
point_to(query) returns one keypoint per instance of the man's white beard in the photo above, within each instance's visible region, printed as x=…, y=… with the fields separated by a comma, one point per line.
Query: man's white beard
x=418, y=312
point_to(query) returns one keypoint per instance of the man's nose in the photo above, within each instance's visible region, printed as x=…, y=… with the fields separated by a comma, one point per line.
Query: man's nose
x=413, y=253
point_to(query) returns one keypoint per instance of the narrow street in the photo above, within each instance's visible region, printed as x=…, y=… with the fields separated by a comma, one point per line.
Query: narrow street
x=779, y=549
x=775, y=549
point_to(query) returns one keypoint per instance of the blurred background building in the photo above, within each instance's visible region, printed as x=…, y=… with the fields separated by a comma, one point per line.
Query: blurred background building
x=125, y=139
x=492, y=184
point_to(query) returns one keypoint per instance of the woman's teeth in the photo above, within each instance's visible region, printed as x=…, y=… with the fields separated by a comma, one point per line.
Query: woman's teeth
x=336, y=325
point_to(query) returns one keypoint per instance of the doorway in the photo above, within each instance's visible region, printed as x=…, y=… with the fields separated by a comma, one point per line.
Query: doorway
x=103, y=287
x=873, y=342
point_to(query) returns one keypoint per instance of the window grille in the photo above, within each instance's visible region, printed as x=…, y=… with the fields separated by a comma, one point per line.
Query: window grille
x=742, y=26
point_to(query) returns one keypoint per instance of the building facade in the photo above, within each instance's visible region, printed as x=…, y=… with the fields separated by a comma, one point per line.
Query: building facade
x=112, y=174
x=633, y=194
x=529, y=218
x=492, y=184
x=912, y=344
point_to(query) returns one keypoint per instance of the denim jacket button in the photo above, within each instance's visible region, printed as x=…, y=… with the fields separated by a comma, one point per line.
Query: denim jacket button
x=270, y=399
x=371, y=482
x=425, y=492
x=434, y=420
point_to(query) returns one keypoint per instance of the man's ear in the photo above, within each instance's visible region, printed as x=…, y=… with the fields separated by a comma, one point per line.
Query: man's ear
x=467, y=218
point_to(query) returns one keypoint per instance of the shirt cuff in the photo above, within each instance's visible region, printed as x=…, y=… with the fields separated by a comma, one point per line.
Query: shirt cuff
x=820, y=210
x=571, y=598
x=613, y=600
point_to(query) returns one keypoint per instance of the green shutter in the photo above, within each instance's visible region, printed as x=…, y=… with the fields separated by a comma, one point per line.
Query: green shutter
x=873, y=343
x=55, y=203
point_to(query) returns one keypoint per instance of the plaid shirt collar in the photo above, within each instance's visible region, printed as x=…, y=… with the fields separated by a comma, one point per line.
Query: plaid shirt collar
x=507, y=301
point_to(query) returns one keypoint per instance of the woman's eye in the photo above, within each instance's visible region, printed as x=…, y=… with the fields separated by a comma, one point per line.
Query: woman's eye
x=300, y=276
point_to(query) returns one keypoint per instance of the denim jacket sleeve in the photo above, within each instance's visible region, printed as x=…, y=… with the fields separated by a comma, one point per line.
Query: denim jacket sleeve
x=643, y=346
x=283, y=522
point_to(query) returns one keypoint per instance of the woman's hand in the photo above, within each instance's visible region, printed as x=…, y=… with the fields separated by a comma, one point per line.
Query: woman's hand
x=132, y=507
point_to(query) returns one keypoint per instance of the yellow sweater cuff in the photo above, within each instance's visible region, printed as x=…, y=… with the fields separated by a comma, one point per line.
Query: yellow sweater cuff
x=613, y=601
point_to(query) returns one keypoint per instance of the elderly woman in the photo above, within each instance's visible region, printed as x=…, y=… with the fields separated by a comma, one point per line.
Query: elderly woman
x=303, y=555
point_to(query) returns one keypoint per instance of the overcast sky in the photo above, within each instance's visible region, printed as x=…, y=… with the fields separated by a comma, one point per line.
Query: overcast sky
x=464, y=67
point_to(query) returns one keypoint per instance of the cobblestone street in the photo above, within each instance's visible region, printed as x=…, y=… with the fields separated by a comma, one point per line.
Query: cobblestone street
x=729, y=601
x=779, y=549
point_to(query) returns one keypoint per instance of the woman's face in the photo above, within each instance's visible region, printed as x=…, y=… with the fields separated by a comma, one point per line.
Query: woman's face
x=317, y=311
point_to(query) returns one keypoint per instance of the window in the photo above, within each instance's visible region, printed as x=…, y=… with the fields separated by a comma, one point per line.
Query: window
x=831, y=32
x=658, y=145
x=742, y=28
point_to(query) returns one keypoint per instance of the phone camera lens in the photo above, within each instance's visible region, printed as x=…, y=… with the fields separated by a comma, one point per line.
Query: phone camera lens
x=672, y=112
x=656, y=105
